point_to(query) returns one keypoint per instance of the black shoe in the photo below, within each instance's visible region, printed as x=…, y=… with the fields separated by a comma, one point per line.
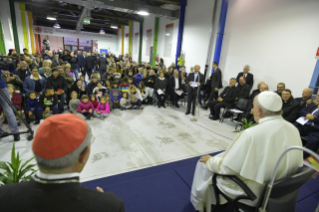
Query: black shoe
x=177, y=105
x=158, y=106
x=19, y=124
x=187, y=113
x=215, y=118
x=37, y=122
x=3, y=134
x=193, y=114
x=16, y=137
x=163, y=106
x=204, y=107
x=5, y=121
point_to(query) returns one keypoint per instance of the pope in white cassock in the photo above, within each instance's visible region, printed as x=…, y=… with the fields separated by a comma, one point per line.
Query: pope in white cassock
x=251, y=156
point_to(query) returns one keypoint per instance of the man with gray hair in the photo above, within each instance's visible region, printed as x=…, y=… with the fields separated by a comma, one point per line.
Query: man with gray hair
x=248, y=76
x=61, y=156
x=252, y=156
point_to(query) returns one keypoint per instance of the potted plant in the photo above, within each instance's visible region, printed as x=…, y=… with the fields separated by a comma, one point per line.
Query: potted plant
x=245, y=125
x=15, y=171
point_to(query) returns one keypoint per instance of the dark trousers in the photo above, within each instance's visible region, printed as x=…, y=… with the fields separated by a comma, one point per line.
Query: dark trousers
x=161, y=99
x=62, y=99
x=102, y=72
x=83, y=72
x=40, y=110
x=215, y=107
x=116, y=105
x=191, y=100
x=174, y=97
x=213, y=95
x=313, y=138
x=137, y=104
x=35, y=113
x=88, y=115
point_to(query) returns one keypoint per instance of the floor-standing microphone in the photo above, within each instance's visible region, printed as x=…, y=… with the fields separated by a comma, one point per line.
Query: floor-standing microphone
x=196, y=102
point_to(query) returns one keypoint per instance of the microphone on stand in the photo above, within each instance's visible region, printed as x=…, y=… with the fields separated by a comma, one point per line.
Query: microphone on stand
x=196, y=102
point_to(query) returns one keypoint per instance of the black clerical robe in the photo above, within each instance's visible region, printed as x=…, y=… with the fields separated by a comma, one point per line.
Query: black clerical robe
x=47, y=195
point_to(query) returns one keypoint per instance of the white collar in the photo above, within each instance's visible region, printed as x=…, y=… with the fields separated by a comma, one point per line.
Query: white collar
x=267, y=118
x=57, y=176
x=162, y=78
x=31, y=76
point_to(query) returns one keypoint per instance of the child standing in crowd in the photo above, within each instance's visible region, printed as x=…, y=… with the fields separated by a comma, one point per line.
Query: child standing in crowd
x=86, y=107
x=32, y=105
x=74, y=102
x=103, y=109
x=68, y=70
x=115, y=95
x=125, y=102
x=93, y=101
x=124, y=86
x=135, y=97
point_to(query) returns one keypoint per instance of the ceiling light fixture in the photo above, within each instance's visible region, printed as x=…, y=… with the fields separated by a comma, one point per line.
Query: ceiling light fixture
x=114, y=26
x=51, y=17
x=142, y=12
x=102, y=31
x=167, y=34
x=56, y=25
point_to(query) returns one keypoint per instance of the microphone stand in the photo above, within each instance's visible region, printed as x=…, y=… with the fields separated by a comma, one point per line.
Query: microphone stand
x=196, y=102
x=272, y=178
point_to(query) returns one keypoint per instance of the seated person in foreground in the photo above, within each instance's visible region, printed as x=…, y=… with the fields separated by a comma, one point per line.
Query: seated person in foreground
x=61, y=156
x=226, y=99
x=246, y=158
x=311, y=128
x=290, y=107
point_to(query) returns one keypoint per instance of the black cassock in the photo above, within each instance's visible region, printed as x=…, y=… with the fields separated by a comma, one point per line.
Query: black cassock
x=57, y=196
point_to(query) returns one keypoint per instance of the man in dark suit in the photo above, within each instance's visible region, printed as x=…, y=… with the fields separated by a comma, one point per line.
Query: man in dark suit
x=56, y=185
x=290, y=107
x=243, y=89
x=84, y=69
x=195, y=79
x=174, y=84
x=311, y=128
x=216, y=84
x=89, y=65
x=226, y=99
x=306, y=95
x=80, y=61
x=102, y=63
x=248, y=76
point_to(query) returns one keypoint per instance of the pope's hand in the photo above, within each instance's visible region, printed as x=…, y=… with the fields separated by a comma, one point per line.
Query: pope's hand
x=315, y=175
x=309, y=101
x=205, y=158
x=99, y=189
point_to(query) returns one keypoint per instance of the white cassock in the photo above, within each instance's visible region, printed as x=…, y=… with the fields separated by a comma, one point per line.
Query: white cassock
x=252, y=157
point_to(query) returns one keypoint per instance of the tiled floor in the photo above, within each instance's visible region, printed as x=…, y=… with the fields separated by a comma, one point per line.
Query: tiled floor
x=131, y=140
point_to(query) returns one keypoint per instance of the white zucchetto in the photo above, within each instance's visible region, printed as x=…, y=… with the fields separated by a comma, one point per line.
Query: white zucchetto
x=270, y=101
